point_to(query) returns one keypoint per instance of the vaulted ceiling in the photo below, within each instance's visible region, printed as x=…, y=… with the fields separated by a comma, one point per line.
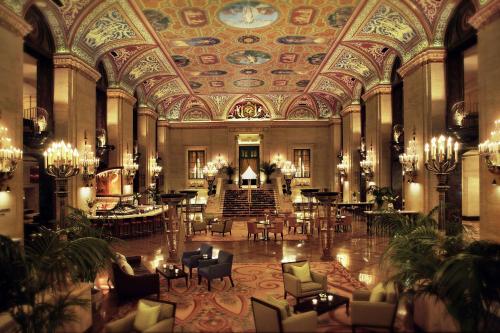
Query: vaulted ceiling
x=177, y=55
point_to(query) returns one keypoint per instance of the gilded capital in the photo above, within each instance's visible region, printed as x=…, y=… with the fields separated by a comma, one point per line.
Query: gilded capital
x=425, y=57
x=122, y=94
x=147, y=111
x=75, y=63
x=379, y=89
x=353, y=108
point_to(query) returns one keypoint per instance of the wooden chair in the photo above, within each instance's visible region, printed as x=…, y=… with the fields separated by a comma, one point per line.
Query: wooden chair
x=292, y=223
x=277, y=229
x=253, y=230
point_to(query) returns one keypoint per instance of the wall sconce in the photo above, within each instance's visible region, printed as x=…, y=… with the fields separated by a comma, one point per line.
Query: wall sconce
x=409, y=160
x=102, y=142
x=210, y=171
x=9, y=158
x=288, y=170
x=397, y=138
x=342, y=167
x=220, y=162
x=155, y=167
x=490, y=149
x=278, y=161
x=367, y=164
x=89, y=163
x=35, y=134
x=130, y=167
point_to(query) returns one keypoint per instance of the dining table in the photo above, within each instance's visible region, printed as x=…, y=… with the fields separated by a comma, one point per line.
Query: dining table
x=266, y=224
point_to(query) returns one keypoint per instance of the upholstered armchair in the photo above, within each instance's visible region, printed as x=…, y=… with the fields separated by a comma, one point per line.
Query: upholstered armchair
x=222, y=227
x=140, y=284
x=376, y=308
x=216, y=268
x=190, y=259
x=298, y=289
x=199, y=226
x=165, y=321
x=272, y=316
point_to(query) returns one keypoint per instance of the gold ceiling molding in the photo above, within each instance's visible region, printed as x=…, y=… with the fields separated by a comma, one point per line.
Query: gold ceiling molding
x=13, y=23
x=147, y=111
x=485, y=15
x=426, y=57
x=351, y=108
x=122, y=94
x=377, y=90
x=70, y=61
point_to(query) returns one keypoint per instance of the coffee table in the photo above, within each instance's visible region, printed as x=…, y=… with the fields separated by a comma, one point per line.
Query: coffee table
x=323, y=306
x=171, y=275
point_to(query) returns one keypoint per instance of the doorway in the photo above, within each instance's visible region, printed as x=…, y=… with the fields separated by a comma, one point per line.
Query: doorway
x=249, y=157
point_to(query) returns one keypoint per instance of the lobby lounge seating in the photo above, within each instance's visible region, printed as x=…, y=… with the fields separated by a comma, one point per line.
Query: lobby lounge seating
x=253, y=230
x=222, y=227
x=216, y=268
x=277, y=229
x=191, y=259
x=272, y=316
x=142, y=283
x=199, y=226
x=298, y=289
x=376, y=308
x=165, y=322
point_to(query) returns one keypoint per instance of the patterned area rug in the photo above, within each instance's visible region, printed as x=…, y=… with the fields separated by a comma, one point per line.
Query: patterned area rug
x=228, y=309
x=239, y=233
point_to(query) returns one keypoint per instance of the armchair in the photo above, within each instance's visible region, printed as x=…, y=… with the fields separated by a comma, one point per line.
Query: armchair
x=199, y=226
x=191, y=258
x=269, y=318
x=142, y=283
x=216, y=268
x=298, y=289
x=377, y=312
x=165, y=319
x=222, y=227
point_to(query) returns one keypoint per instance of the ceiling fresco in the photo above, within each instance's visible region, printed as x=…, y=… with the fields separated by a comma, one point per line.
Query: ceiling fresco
x=194, y=60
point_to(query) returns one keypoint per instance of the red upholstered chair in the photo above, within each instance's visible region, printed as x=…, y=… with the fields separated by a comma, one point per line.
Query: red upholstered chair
x=253, y=230
x=292, y=223
x=277, y=229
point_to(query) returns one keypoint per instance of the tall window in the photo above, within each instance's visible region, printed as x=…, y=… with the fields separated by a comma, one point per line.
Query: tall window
x=302, y=161
x=196, y=161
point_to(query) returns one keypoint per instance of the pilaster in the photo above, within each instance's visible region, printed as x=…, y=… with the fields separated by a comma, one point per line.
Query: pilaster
x=335, y=148
x=351, y=125
x=146, y=140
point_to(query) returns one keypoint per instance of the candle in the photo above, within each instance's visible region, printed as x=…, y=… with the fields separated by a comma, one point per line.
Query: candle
x=455, y=148
x=448, y=148
x=330, y=298
x=314, y=301
x=426, y=149
x=433, y=148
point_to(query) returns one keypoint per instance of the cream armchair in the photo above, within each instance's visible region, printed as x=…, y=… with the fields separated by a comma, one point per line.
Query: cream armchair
x=165, y=320
x=368, y=310
x=273, y=317
x=298, y=289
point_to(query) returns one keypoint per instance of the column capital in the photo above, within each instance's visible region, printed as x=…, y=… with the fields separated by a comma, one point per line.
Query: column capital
x=14, y=22
x=120, y=93
x=147, y=111
x=335, y=121
x=352, y=108
x=379, y=89
x=425, y=57
x=163, y=123
x=75, y=63
x=485, y=15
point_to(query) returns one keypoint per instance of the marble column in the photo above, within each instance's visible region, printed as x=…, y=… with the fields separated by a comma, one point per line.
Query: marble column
x=487, y=22
x=379, y=130
x=75, y=114
x=424, y=111
x=12, y=31
x=146, y=140
x=335, y=148
x=119, y=124
x=351, y=125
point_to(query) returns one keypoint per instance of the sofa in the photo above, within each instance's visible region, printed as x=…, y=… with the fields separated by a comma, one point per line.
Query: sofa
x=141, y=283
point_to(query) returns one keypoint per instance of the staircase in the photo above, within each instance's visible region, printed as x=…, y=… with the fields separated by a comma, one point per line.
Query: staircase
x=235, y=202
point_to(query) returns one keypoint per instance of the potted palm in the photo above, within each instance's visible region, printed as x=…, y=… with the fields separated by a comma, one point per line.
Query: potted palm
x=229, y=170
x=268, y=169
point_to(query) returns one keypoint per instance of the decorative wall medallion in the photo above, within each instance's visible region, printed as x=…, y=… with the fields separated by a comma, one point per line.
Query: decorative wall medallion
x=248, y=14
x=248, y=39
x=316, y=59
x=180, y=61
x=194, y=17
x=288, y=58
x=388, y=22
x=215, y=72
x=340, y=17
x=109, y=27
x=122, y=55
x=350, y=62
x=248, y=110
x=158, y=20
x=301, y=113
x=248, y=57
x=216, y=84
x=282, y=71
x=302, y=15
x=302, y=83
x=194, y=84
x=208, y=59
x=197, y=41
x=248, y=71
x=248, y=83
x=300, y=40
x=196, y=115
x=148, y=64
x=280, y=83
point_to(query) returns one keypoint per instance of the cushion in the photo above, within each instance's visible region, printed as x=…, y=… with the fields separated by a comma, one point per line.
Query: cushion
x=125, y=266
x=303, y=273
x=146, y=316
x=310, y=286
x=378, y=293
x=282, y=305
x=391, y=295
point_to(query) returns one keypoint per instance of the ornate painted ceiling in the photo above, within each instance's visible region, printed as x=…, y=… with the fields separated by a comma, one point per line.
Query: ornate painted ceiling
x=199, y=59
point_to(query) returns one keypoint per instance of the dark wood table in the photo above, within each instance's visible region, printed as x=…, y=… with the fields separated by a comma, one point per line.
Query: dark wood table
x=322, y=306
x=171, y=275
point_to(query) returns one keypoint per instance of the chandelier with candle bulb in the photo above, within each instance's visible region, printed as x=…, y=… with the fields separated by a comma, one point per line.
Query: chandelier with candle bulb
x=155, y=167
x=210, y=171
x=367, y=164
x=409, y=160
x=288, y=170
x=62, y=160
x=220, y=162
x=490, y=149
x=342, y=167
x=10, y=156
x=88, y=163
x=130, y=167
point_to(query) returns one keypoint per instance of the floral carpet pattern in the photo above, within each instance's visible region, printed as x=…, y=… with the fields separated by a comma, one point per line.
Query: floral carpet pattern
x=227, y=309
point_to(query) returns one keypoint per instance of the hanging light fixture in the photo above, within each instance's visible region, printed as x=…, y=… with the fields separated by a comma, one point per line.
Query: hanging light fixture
x=9, y=158
x=490, y=149
x=88, y=162
x=409, y=160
